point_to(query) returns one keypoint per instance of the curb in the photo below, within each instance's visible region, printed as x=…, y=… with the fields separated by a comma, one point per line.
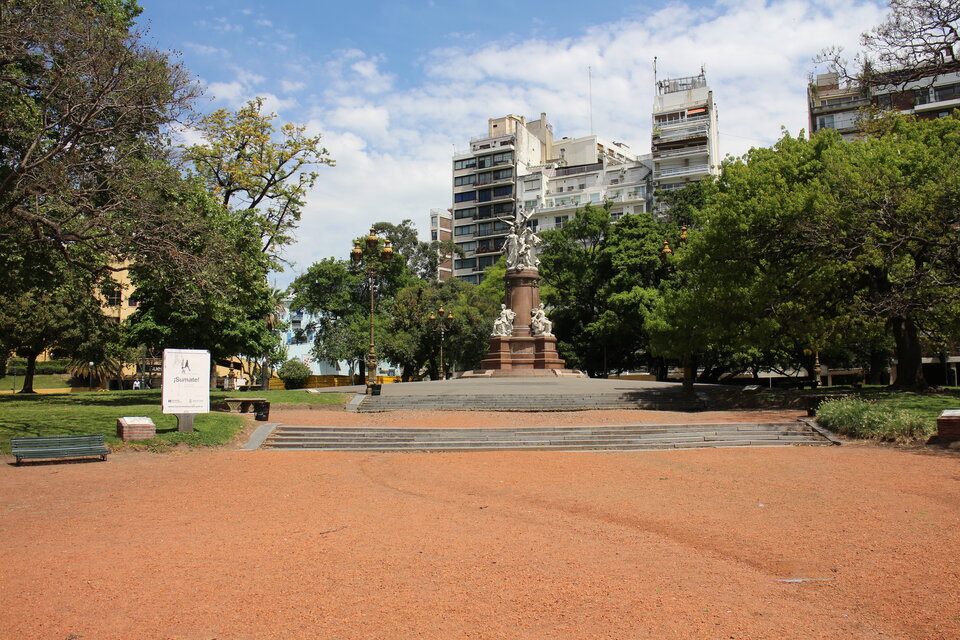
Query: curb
x=259, y=436
x=823, y=432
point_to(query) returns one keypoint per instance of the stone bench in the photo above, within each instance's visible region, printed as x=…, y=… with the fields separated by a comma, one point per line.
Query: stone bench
x=948, y=426
x=242, y=405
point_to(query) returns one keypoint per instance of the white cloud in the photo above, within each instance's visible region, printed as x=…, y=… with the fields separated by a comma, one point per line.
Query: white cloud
x=353, y=71
x=393, y=146
x=292, y=86
x=206, y=50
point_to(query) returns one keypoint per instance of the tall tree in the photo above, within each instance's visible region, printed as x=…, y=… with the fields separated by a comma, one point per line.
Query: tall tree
x=262, y=180
x=601, y=277
x=49, y=305
x=893, y=211
x=221, y=309
x=83, y=106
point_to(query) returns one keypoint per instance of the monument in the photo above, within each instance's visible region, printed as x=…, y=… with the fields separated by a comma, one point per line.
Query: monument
x=522, y=342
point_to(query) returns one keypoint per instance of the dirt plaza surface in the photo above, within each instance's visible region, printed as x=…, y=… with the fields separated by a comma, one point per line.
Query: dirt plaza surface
x=855, y=541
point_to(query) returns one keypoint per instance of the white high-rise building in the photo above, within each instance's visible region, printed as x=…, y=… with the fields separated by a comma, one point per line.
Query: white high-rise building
x=521, y=162
x=684, y=140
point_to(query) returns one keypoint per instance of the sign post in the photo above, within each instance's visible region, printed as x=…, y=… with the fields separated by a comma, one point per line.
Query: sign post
x=186, y=385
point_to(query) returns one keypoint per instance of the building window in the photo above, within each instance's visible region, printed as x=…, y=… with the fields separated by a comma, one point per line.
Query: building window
x=464, y=230
x=486, y=261
x=465, y=197
x=113, y=299
x=825, y=122
x=499, y=192
x=529, y=204
x=559, y=220
x=465, y=263
x=469, y=163
x=433, y=236
x=467, y=247
x=460, y=181
x=948, y=92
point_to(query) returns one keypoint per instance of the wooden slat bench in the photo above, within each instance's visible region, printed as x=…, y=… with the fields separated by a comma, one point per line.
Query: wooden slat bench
x=59, y=447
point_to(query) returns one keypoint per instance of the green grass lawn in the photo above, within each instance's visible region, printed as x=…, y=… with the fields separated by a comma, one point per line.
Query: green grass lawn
x=97, y=412
x=929, y=404
x=46, y=381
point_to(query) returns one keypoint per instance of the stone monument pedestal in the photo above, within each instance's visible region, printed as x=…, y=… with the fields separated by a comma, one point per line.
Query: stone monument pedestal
x=522, y=353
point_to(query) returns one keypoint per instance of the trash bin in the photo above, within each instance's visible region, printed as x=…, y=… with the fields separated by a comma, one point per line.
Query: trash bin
x=375, y=389
x=261, y=411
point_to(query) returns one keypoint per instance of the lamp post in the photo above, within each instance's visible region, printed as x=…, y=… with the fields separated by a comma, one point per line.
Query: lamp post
x=90, y=377
x=370, y=262
x=443, y=328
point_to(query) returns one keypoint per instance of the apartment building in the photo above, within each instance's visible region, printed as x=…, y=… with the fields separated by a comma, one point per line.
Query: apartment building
x=588, y=170
x=684, y=139
x=520, y=162
x=831, y=106
x=484, y=187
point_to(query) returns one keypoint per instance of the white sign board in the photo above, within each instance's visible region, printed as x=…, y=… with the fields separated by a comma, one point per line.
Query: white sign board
x=186, y=381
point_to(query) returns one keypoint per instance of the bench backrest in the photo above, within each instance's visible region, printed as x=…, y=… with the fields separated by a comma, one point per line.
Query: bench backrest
x=56, y=442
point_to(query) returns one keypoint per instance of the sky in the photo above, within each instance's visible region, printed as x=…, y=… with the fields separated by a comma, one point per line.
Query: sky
x=396, y=88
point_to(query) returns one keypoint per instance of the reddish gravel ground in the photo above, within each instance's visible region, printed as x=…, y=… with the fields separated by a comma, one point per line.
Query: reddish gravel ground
x=674, y=544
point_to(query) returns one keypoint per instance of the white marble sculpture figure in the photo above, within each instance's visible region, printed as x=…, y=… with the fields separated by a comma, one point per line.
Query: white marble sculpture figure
x=539, y=324
x=520, y=245
x=503, y=325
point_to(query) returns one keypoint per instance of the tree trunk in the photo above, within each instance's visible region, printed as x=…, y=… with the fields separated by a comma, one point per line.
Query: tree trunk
x=909, y=357
x=661, y=364
x=878, y=362
x=689, y=372
x=213, y=372
x=28, y=374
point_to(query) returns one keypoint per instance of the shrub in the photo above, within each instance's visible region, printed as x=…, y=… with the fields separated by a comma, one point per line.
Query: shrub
x=294, y=374
x=44, y=367
x=860, y=419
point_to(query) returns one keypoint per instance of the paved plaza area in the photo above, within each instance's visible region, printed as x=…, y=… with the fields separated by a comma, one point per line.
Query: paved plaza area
x=834, y=542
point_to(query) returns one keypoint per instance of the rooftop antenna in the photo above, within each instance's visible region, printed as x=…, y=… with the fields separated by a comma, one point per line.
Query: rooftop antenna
x=590, y=90
x=654, y=73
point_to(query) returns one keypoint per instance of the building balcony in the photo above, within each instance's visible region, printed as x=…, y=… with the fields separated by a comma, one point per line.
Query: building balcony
x=663, y=134
x=675, y=124
x=684, y=152
x=674, y=172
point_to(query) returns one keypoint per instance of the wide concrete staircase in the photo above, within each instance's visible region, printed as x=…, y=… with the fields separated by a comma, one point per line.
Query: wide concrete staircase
x=653, y=400
x=597, y=438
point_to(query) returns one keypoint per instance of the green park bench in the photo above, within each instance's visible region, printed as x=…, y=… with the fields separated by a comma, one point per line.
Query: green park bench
x=59, y=447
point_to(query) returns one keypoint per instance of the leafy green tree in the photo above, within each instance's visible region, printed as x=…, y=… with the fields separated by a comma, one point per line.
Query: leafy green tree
x=413, y=336
x=893, y=212
x=49, y=306
x=262, y=180
x=745, y=295
x=222, y=309
x=337, y=294
x=602, y=279
x=422, y=258
x=83, y=107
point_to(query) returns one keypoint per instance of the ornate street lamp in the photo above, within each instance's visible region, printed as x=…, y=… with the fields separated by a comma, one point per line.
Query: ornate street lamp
x=443, y=328
x=371, y=264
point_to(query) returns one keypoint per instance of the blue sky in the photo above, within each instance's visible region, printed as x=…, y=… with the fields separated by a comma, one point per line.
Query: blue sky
x=396, y=87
